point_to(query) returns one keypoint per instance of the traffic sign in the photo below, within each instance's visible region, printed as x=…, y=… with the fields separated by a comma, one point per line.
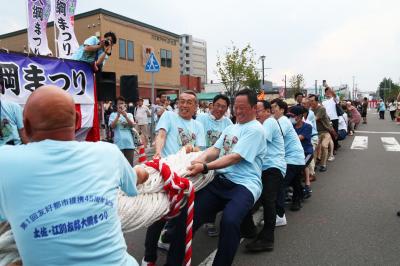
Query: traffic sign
x=152, y=64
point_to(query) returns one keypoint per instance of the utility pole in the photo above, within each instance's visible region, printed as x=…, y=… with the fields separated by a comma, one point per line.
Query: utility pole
x=262, y=64
x=285, y=86
x=353, y=88
x=316, y=87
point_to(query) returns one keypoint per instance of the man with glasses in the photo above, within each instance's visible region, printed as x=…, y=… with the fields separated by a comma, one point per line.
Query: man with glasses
x=237, y=157
x=214, y=123
x=174, y=131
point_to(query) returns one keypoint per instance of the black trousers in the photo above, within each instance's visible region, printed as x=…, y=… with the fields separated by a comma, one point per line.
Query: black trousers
x=335, y=125
x=392, y=115
x=293, y=176
x=152, y=235
x=272, y=180
x=381, y=114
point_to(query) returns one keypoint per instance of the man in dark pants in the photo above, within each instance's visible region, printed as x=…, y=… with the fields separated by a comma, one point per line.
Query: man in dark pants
x=274, y=169
x=294, y=157
x=174, y=131
x=237, y=157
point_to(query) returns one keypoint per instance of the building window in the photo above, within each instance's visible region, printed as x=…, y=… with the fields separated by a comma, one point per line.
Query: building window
x=187, y=48
x=131, y=50
x=169, y=58
x=166, y=58
x=122, y=49
x=187, y=62
x=187, y=69
x=187, y=55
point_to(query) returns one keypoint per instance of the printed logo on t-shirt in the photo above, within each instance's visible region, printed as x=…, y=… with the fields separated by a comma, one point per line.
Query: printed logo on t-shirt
x=186, y=137
x=124, y=124
x=5, y=129
x=212, y=137
x=228, y=144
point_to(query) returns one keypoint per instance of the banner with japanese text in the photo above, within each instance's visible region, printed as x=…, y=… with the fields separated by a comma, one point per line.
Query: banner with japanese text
x=38, y=15
x=63, y=18
x=21, y=75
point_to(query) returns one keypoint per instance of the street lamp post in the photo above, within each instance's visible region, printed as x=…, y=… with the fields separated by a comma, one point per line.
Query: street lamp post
x=262, y=62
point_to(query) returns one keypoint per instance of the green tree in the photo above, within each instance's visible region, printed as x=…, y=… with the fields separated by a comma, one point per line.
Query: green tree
x=387, y=89
x=237, y=70
x=296, y=84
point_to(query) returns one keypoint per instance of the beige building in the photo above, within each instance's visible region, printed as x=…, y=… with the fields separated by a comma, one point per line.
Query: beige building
x=134, y=39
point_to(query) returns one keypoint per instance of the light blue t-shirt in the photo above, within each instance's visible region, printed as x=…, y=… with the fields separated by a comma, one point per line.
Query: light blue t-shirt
x=382, y=107
x=180, y=132
x=294, y=153
x=10, y=122
x=212, y=127
x=122, y=132
x=275, y=155
x=89, y=57
x=248, y=141
x=62, y=204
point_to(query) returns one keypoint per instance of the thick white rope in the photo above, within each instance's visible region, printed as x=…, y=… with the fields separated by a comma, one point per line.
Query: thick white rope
x=152, y=203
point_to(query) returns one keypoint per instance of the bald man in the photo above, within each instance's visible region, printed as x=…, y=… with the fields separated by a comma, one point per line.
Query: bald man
x=60, y=195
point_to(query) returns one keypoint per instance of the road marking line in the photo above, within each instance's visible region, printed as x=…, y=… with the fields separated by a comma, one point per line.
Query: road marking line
x=390, y=144
x=209, y=260
x=377, y=132
x=359, y=143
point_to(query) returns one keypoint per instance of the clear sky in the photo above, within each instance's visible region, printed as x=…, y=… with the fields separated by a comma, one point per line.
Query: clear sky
x=322, y=39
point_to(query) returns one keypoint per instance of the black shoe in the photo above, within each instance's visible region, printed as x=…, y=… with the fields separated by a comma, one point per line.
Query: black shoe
x=307, y=192
x=250, y=232
x=322, y=168
x=398, y=213
x=296, y=206
x=259, y=245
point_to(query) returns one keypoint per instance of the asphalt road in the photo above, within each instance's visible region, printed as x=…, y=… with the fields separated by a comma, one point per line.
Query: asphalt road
x=349, y=220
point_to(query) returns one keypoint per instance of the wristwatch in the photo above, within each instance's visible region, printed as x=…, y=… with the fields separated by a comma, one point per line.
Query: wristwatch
x=205, y=169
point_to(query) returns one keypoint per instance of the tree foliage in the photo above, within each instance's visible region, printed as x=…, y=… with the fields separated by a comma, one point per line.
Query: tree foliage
x=387, y=89
x=296, y=84
x=237, y=70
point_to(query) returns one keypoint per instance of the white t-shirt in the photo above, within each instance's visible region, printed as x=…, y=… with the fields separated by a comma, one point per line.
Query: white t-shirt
x=343, y=120
x=392, y=106
x=141, y=115
x=330, y=106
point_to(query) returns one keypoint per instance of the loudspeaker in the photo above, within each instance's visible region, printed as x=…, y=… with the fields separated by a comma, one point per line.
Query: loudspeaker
x=106, y=86
x=129, y=88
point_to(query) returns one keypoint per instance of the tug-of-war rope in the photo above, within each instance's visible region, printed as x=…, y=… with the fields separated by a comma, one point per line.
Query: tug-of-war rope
x=162, y=196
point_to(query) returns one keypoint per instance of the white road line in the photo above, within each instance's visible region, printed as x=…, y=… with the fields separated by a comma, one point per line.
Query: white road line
x=390, y=144
x=257, y=217
x=209, y=260
x=359, y=143
x=378, y=132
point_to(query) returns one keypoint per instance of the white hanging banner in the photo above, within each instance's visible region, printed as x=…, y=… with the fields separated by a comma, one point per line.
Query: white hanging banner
x=38, y=15
x=63, y=18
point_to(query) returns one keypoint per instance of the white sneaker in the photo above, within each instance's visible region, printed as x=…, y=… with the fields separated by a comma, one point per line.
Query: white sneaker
x=145, y=263
x=280, y=221
x=331, y=158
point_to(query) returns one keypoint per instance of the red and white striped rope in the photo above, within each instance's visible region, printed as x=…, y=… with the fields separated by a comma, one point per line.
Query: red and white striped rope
x=176, y=187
